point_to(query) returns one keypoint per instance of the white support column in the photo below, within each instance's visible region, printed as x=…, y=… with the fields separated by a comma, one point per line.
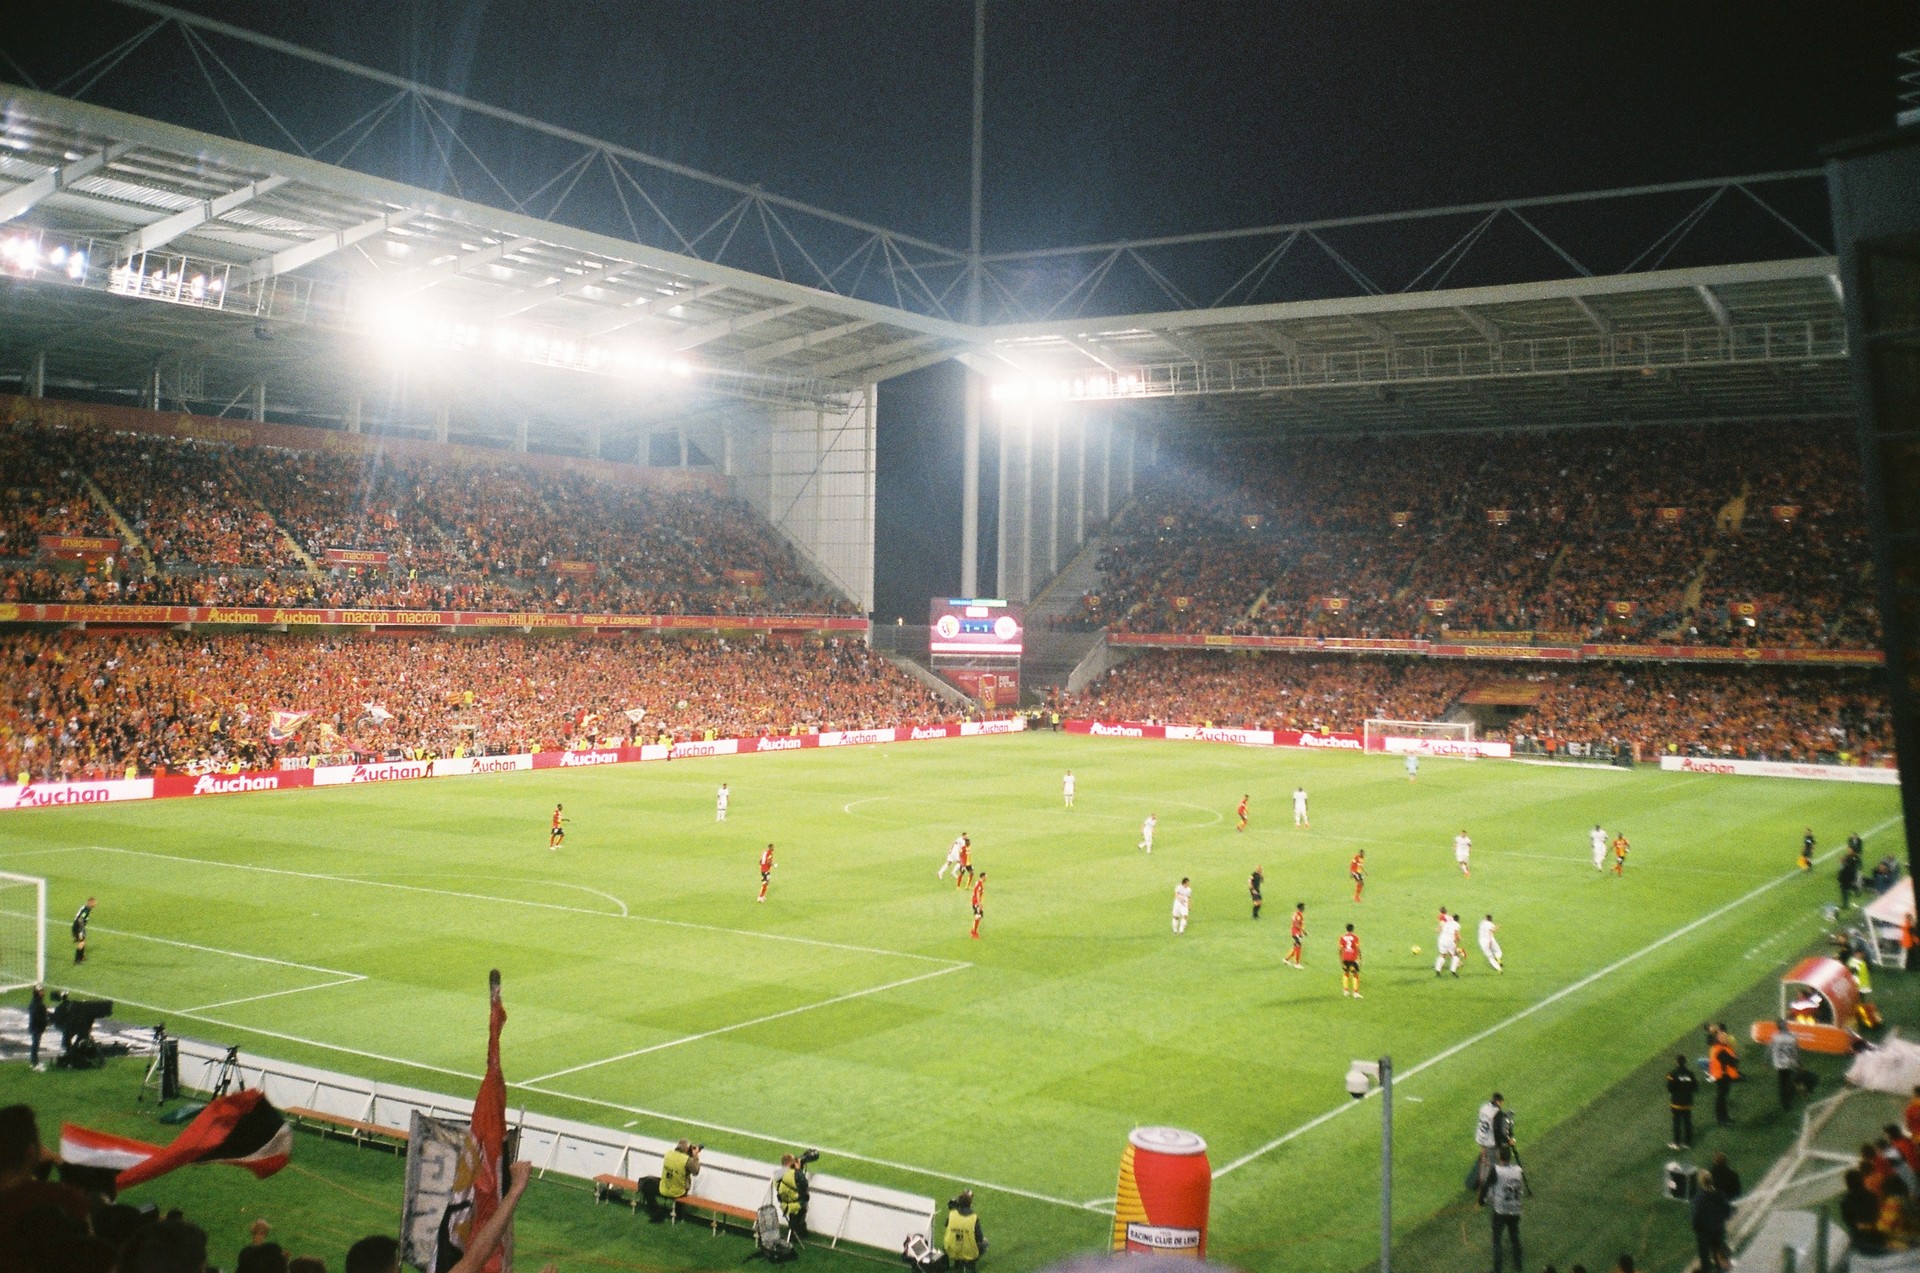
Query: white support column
x=153, y=387
x=441, y=422
x=1053, y=502
x=970, y=488
x=260, y=400
x=726, y=448
x=1080, y=484
x=681, y=435
x=1106, y=469
x=356, y=417
x=520, y=430
x=596, y=440
x=1001, y=576
x=1133, y=445
x=1026, y=512
x=37, y=375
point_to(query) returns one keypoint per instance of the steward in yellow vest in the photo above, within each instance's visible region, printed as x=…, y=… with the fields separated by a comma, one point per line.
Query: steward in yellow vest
x=964, y=1242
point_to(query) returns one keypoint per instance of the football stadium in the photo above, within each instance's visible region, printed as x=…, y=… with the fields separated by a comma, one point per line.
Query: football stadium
x=566, y=702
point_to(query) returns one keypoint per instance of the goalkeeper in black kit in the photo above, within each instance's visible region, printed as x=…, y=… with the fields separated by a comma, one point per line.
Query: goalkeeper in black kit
x=80, y=919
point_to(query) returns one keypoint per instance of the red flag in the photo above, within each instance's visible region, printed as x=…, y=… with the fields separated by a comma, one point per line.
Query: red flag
x=243, y=1129
x=480, y=1177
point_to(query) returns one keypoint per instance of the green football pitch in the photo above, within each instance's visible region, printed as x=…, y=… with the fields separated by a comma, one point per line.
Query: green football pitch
x=352, y=928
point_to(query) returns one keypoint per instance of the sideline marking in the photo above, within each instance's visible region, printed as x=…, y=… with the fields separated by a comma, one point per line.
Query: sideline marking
x=231, y=954
x=742, y=1025
x=1547, y=1002
x=372, y=876
x=517, y=901
x=298, y=990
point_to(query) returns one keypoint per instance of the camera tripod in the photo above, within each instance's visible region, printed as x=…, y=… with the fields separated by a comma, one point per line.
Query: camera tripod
x=228, y=1073
x=163, y=1072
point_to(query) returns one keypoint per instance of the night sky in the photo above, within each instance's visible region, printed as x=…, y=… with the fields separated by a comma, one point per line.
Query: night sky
x=1103, y=119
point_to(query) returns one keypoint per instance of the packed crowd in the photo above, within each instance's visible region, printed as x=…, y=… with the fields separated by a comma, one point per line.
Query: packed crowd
x=1821, y=714
x=243, y=525
x=1880, y=1205
x=79, y=706
x=1601, y=534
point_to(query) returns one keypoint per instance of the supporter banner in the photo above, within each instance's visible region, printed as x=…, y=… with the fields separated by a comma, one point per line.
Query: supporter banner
x=1183, y=603
x=54, y=612
x=357, y=557
x=111, y=417
x=576, y=569
x=1733, y=654
x=991, y=689
x=1400, y=519
x=1670, y=515
x=53, y=795
x=1785, y=512
x=1334, y=605
x=1622, y=609
x=1445, y=747
x=745, y=578
x=79, y=545
x=170, y=785
x=1745, y=609
x=1438, y=605
x=1781, y=769
x=1252, y=521
x=1168, y=523
x=1499, y=516
x=1365, y=645
x=1496, y=651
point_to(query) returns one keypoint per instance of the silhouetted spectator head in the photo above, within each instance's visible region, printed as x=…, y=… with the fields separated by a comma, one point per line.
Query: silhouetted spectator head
x=376, y=1254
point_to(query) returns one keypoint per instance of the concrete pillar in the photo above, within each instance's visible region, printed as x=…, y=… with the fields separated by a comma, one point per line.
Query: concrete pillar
x=153, y=387
x=970, y=488
x=1053, y=503
x=1133, y=446
x=441, y=421
x=681, y=434
x=1002, y=578
x=520, y=431
x=1080, y=484
x=596, y=441
x=260, y=400
x=37, y=375
x=1026, y=511
x=356, y=417
x=726, y=449
x=1106, y=469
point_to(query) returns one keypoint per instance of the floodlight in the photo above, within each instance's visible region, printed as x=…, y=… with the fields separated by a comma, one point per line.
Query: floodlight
x=680, y=367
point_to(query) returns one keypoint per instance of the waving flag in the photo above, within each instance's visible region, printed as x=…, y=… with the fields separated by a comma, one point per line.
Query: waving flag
x=285, y=725
x=636, y=714
x=380, y=714
x=480, y=1178
x=243, y=1129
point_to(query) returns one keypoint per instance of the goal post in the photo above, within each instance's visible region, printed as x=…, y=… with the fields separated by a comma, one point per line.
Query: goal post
x=23, y=931
x=1376, y=730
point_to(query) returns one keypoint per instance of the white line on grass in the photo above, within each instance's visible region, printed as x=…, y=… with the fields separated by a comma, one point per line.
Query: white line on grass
x=371, y=876
x=742, y=1025
x=297, y=990
x=231, y=954
x=520, y=901
x=1549, y=1001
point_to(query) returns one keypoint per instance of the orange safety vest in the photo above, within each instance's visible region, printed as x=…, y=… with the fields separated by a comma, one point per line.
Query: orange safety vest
x=1721, y=1063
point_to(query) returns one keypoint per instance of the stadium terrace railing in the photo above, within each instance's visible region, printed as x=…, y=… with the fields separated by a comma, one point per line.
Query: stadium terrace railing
x=1657, y=653
x=840, y=1210
x=272, y=617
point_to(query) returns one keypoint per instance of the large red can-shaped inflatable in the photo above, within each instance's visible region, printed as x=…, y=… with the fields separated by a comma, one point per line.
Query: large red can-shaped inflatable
x=1165, y=1186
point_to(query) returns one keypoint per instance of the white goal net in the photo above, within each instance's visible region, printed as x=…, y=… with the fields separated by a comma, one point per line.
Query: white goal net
x=23, y=931
x=1376, y=730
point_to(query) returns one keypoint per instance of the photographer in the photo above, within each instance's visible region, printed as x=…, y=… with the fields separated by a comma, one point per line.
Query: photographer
x=965, y=1242
x=678, y=1167
x=792, y=1190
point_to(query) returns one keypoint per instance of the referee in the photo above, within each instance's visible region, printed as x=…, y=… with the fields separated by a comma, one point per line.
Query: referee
x=80, y=918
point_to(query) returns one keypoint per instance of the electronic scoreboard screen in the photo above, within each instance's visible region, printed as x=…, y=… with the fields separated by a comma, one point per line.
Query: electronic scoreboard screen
x=964, y=625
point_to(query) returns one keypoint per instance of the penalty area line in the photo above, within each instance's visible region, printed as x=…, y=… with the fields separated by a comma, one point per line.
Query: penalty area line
x=1528, y=1011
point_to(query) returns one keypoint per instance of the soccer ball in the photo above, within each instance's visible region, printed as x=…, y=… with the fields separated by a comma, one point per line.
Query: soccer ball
x=1416, y=950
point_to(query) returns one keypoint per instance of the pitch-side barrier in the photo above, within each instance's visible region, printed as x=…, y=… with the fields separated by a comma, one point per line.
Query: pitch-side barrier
x=35, y=795
x=839, y=1210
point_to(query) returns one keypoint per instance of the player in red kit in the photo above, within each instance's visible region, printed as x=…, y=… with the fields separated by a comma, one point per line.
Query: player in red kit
x=766, y=872
x=1298, y=933
x=966, y=862
x=556, y=833
x=1350, y=962
x=1357, y=870
x=1240, y=812
x=979, y=905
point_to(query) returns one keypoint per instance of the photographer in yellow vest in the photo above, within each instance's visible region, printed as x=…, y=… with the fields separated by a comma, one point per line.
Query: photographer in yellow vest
x=678, y=1167
x=965, y=1243
x=791, y=1189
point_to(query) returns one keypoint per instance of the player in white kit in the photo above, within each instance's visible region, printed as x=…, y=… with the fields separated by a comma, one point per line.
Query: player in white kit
x=1449, y=943
x=1413, y=766
x=1182, y=902
x=1146, y=832
x=1066, y=789
x=1489, y=944
x=1598, y=838
x=720, y=804
x=1300, y=807
x=1462, y=846
x=953, y=858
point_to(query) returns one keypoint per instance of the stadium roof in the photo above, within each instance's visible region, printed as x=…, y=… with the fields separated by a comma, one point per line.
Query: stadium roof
x=140, y=249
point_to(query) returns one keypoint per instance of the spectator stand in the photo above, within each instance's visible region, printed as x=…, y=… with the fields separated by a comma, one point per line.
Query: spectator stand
x=841, y=1210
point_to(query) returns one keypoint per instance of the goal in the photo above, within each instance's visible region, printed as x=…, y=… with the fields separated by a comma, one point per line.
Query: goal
x=23, y=931
x=1375, y=731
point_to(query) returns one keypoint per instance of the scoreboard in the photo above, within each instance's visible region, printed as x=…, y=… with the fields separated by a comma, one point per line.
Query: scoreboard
x=967, y=625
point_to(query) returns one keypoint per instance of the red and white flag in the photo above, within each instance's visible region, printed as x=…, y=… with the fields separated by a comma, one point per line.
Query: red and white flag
x=243, y=1129
x=480, y=1179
